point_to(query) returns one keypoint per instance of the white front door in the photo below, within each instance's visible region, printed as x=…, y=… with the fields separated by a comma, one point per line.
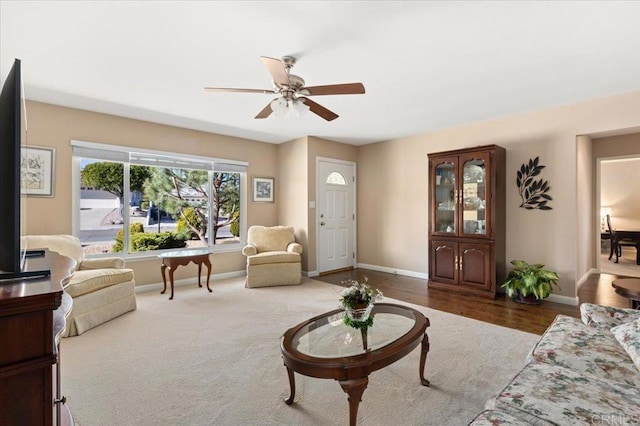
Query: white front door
x=335, y=214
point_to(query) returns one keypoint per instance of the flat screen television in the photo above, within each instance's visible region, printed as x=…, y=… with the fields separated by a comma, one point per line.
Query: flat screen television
x=11, y=255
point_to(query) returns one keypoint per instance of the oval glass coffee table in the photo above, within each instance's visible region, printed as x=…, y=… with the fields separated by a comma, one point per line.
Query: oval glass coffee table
x=326, y=348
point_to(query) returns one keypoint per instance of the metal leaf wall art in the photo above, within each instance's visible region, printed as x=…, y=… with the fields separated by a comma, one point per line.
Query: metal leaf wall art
x=533, y=192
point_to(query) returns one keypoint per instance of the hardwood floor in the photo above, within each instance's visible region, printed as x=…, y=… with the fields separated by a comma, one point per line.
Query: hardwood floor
x=501, y=311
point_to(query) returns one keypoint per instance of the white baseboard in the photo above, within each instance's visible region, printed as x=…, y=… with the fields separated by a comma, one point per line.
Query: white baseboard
x=310, y=274
x=565, y=300
x=584, y=278
x=190, y=281
x=404, y=272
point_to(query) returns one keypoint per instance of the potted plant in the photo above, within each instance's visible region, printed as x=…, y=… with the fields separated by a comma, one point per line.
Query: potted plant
x=357, y=300
x=530, y=283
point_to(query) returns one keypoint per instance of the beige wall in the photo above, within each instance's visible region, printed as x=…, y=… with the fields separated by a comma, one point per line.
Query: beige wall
x=392, y=188
x=586, y=218
x=620, y=191
x=54, y=126
x=292, y=191
x=617, y=146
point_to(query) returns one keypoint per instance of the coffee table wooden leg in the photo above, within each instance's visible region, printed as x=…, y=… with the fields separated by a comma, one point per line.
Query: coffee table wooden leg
x=354, y=388
x=292, y=387
x=423, y=359
x=208, y=263
x=199, y=271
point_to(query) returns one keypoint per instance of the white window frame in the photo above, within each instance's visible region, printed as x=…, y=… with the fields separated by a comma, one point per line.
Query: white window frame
x=223, y=165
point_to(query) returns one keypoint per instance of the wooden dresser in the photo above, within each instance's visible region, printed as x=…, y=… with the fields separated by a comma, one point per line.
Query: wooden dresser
x=32, y=317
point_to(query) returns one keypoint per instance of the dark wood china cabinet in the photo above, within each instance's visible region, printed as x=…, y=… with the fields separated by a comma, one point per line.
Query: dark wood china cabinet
x=467, y=220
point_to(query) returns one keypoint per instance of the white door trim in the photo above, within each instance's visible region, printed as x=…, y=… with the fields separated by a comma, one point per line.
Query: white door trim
x=355, y=207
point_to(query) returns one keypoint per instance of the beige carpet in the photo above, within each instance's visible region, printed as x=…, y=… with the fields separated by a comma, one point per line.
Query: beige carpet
x=214, y=359
x=626, y=265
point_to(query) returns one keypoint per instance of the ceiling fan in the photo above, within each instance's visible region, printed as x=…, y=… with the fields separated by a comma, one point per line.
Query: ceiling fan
x=292, y=91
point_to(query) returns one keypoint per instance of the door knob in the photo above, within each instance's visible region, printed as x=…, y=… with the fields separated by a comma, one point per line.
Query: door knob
x=321, y=223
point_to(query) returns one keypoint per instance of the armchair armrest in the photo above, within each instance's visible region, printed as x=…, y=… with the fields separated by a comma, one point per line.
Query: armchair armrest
x=249, y=250
x=102, y=263
x=294, y=248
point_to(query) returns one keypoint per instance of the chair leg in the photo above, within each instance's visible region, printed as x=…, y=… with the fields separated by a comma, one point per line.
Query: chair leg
x=611, y=250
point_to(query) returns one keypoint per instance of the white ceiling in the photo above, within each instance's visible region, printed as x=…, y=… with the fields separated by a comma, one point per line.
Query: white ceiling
x=425, y=65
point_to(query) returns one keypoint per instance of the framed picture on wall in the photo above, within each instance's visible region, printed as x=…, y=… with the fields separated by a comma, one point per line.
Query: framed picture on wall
x=263, y=189
x=37, y=171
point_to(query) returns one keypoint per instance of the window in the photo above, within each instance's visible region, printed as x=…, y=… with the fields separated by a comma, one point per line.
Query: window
x=336, y=178
x=133, y=201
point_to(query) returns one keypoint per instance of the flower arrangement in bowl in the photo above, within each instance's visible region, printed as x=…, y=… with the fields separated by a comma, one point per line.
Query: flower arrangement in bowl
x=357, y=300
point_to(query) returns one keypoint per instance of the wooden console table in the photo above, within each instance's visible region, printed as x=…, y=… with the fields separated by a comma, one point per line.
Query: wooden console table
x=173, y=259
x=32, y=317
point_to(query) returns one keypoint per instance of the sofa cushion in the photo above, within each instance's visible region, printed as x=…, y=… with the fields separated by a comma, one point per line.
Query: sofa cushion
x=629, y=337
x=544, y=393
x=606, y=316
x=83, y=282
x=274, y=238
x=569, y=343
x=273, y=257
x=102, y=263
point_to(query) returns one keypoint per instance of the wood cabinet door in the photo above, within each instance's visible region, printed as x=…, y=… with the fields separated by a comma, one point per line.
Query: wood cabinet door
x=443, y=261
x=475, y=265
x=474, y=189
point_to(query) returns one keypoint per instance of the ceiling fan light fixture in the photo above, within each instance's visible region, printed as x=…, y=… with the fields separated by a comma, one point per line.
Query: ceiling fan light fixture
x=299, y=107
x=292, y=100
x=279, y=106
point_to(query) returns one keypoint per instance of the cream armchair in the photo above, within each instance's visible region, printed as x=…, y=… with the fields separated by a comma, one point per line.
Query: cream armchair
x=101, y=289
x=273, y=257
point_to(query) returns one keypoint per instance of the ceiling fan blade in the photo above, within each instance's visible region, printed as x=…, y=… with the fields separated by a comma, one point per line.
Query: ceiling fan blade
x=231, y=89
x=334, y=89
x=318, y=109
x=277, y=70
x=266, y=112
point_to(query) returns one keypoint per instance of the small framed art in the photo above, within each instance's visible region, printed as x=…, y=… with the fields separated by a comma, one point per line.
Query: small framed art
x=263, y=189
x=37, y=171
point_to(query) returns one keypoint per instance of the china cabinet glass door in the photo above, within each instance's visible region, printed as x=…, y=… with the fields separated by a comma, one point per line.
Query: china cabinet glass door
x=445, y=197
x=473, y=196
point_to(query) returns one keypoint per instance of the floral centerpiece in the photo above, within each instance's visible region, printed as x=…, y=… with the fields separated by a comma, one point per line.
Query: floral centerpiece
x=357, y=300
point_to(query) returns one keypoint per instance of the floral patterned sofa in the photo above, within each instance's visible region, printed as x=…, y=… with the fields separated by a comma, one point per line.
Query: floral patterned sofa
x=579, y=372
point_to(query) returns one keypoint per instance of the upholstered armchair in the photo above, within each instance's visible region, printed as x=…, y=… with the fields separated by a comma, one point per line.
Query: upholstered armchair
x=101, y=288
x=273, y=257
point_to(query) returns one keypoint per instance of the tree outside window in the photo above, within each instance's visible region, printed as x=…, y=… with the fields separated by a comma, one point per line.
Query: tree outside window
x=168, y=207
